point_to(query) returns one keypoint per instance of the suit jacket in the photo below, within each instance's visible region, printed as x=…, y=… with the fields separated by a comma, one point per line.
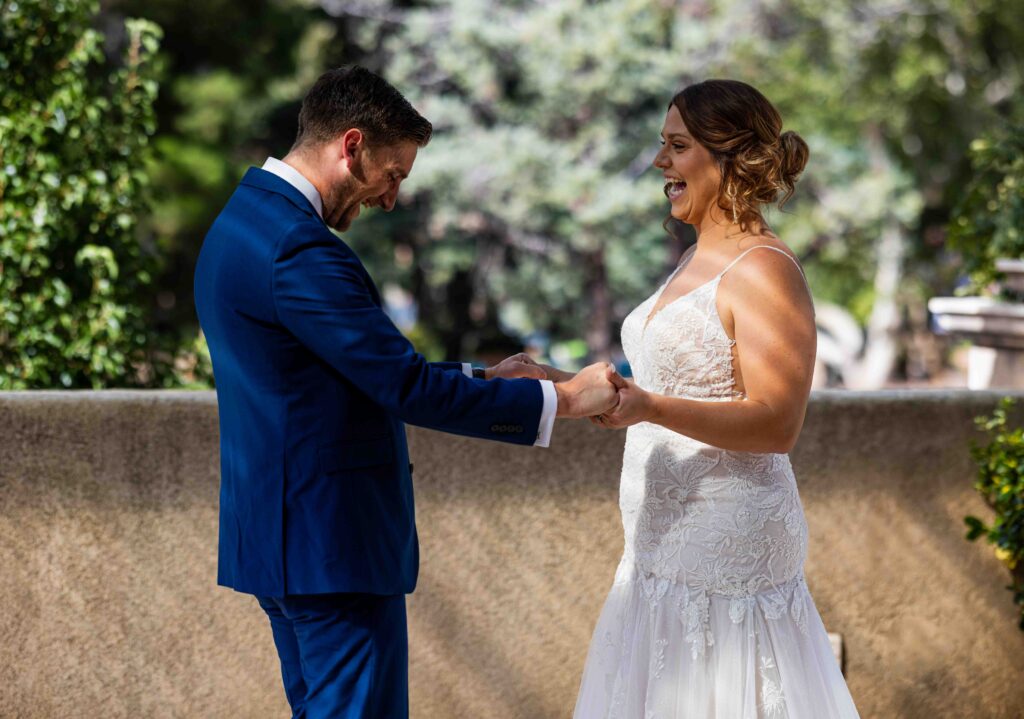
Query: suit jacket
x=314, y=385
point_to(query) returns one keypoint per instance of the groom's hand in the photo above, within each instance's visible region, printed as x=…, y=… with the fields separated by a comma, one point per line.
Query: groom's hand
x=592, y=391
x=520, y=366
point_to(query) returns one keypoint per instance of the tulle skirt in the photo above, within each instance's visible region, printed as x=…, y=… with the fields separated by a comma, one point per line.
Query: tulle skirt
x=664, y=651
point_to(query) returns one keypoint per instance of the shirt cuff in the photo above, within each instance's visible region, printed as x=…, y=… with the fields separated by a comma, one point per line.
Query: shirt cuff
x=467, y=369
x=547, y=415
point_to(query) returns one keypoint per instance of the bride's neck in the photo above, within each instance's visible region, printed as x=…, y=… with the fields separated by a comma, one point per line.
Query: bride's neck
x=715, y=228
x=712, y=234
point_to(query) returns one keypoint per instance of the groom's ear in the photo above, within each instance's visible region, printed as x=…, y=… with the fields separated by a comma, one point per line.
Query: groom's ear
x=352, y=143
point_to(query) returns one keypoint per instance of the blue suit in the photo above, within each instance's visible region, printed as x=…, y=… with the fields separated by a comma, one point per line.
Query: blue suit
x=314, y=385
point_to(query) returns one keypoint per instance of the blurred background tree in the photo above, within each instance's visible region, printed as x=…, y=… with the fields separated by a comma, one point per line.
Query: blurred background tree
x=74, y=128
x=989, y=217
x=532, y=216
x=540, y=201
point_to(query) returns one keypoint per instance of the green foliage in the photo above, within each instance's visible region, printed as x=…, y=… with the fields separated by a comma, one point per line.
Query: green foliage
x=538, y=184
x=1001, y=482
x=73, y=138
x=989, y=221
x=534, y=210
x=236, y=74
x=547, y=115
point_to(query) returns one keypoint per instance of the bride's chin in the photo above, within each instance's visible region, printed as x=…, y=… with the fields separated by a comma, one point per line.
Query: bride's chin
x=680, y=213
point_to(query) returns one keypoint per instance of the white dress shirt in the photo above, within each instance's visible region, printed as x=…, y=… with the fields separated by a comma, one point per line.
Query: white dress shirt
x=297, y=180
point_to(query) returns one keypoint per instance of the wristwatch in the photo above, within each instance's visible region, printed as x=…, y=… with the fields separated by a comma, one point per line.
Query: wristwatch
x=479, y=373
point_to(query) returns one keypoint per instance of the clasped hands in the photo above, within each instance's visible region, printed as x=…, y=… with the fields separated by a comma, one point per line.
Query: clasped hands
x=597, y=392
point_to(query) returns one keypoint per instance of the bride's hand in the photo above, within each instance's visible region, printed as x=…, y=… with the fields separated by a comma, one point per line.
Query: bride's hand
x=557, y=375
x=518, y=366
x=634, y=406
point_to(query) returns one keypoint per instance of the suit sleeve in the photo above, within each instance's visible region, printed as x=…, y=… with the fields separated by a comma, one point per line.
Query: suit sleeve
x=321, y=296
x=451, y=366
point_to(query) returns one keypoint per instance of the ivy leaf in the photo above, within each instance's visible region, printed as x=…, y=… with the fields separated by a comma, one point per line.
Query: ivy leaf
x=976, y=527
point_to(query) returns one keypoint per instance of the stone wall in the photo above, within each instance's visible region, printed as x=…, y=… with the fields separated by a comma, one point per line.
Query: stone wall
x=108, y=519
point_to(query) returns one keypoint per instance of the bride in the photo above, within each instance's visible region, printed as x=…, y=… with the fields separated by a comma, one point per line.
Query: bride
x=709, y=616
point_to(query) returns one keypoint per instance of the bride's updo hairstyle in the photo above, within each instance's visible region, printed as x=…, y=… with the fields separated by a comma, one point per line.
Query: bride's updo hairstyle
x=742, y=130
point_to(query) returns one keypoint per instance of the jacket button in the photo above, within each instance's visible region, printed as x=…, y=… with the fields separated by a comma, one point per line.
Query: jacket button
x=494, y=428
x=519, y=428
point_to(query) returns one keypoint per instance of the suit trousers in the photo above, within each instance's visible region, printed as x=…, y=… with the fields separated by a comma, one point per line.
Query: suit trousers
x=343, y=656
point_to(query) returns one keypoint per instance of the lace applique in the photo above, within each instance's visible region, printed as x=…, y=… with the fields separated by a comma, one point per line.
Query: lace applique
x=740, y=608
x=798, y=606
x=773, y=704
x=693, y=606
x=658, y=658
x=616, y=679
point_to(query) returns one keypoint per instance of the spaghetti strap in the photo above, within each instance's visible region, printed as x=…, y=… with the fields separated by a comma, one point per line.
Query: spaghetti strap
x=770, y=247
x=749, y=249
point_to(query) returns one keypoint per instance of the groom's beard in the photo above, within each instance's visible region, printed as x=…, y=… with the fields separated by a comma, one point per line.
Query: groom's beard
x=342, y=206
x=347, y=216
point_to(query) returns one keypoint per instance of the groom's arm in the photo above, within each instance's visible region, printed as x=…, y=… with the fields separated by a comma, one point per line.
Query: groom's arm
x=322, y=298
x=547, y=415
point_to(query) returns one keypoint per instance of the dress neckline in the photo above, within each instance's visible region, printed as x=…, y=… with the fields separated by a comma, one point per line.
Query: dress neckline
x=683, y=262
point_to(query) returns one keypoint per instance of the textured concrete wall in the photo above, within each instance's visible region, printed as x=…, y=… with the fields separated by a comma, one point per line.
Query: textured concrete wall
x=108, y=543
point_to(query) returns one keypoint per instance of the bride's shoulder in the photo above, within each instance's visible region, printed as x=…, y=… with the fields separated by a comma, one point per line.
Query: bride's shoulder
x=776, y=259
x=765, y=272
x=767, y=282
x=765, y=239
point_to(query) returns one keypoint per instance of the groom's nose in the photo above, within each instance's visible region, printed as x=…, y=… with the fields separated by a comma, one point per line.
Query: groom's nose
x=388, y=200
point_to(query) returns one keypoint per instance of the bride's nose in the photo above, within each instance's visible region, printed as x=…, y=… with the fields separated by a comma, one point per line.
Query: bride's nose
x=661, y=159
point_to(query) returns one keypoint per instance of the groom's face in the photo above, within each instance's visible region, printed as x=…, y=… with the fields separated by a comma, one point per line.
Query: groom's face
x=372, y=178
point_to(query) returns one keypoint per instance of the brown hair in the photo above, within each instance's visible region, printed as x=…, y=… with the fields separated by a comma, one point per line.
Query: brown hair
x=353, y=97
x=741, y=129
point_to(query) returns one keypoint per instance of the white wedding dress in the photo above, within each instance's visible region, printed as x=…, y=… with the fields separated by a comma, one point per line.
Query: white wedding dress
x=709, y=616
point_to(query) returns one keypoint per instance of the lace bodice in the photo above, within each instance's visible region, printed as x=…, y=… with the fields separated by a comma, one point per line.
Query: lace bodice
x=683, y=350
x=712, y=520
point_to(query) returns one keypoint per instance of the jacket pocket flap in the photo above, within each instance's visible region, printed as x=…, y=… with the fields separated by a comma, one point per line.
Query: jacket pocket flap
x=339, y=456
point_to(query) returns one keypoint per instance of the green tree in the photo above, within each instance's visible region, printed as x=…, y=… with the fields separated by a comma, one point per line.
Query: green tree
x=532, y=210
x=235, y=74
x=547, y=114
x=892, y=93
x=547, y=119
x=74, y=134
x=989, y=220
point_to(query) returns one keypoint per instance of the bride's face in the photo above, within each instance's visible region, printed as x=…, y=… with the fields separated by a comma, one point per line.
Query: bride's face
x=692, y=176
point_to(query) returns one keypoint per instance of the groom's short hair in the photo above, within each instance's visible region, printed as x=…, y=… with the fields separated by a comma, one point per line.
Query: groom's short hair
x=353, y=97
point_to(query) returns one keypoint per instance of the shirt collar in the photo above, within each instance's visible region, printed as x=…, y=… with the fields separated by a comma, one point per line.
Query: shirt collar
x=297, y=180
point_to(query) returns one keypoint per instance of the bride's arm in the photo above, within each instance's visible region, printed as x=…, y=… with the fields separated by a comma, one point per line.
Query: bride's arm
x=557, y=375
x=776, y=341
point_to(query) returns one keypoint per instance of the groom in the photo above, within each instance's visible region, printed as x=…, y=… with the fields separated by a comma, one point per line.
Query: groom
x=314, y=385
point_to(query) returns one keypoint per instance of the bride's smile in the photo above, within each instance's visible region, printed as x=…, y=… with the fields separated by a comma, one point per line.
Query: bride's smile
x=674, y=189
